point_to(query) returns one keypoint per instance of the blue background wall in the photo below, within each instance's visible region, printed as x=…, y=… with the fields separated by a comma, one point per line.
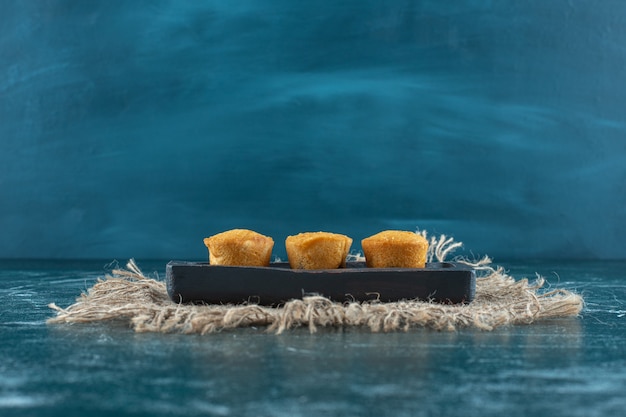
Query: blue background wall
x=135, y=129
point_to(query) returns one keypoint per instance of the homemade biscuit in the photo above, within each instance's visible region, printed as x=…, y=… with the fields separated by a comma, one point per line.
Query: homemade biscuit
x=395, y=249
x=239, y=247
x=317, y=250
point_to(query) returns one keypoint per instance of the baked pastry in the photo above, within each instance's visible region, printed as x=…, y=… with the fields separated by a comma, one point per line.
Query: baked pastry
x=317, y=250
x=239, y=247
x=395, y=249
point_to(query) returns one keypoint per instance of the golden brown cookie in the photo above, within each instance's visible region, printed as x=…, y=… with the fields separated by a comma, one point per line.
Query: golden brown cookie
x=395, y=249
x=317, y=250
x=239, y=247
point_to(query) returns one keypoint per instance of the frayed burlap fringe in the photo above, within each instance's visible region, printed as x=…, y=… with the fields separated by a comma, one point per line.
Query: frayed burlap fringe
x=143, y=302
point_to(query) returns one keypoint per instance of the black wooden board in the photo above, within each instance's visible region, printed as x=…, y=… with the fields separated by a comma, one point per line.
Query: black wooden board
x=199, y=282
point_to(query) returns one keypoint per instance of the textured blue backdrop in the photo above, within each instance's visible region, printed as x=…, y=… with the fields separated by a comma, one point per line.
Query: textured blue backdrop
x=135, y=129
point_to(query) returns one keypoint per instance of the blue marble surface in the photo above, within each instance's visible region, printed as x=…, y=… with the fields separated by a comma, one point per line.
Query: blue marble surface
x=562, y=367
x=137, y=129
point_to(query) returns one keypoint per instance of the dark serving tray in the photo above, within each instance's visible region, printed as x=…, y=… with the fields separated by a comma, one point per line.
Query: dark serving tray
x=199, y=282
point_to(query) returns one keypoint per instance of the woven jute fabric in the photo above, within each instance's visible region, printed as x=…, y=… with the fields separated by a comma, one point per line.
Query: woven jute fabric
x=142, y=302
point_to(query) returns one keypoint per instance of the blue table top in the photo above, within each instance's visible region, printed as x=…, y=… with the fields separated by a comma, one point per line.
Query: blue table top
x=569, y=367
